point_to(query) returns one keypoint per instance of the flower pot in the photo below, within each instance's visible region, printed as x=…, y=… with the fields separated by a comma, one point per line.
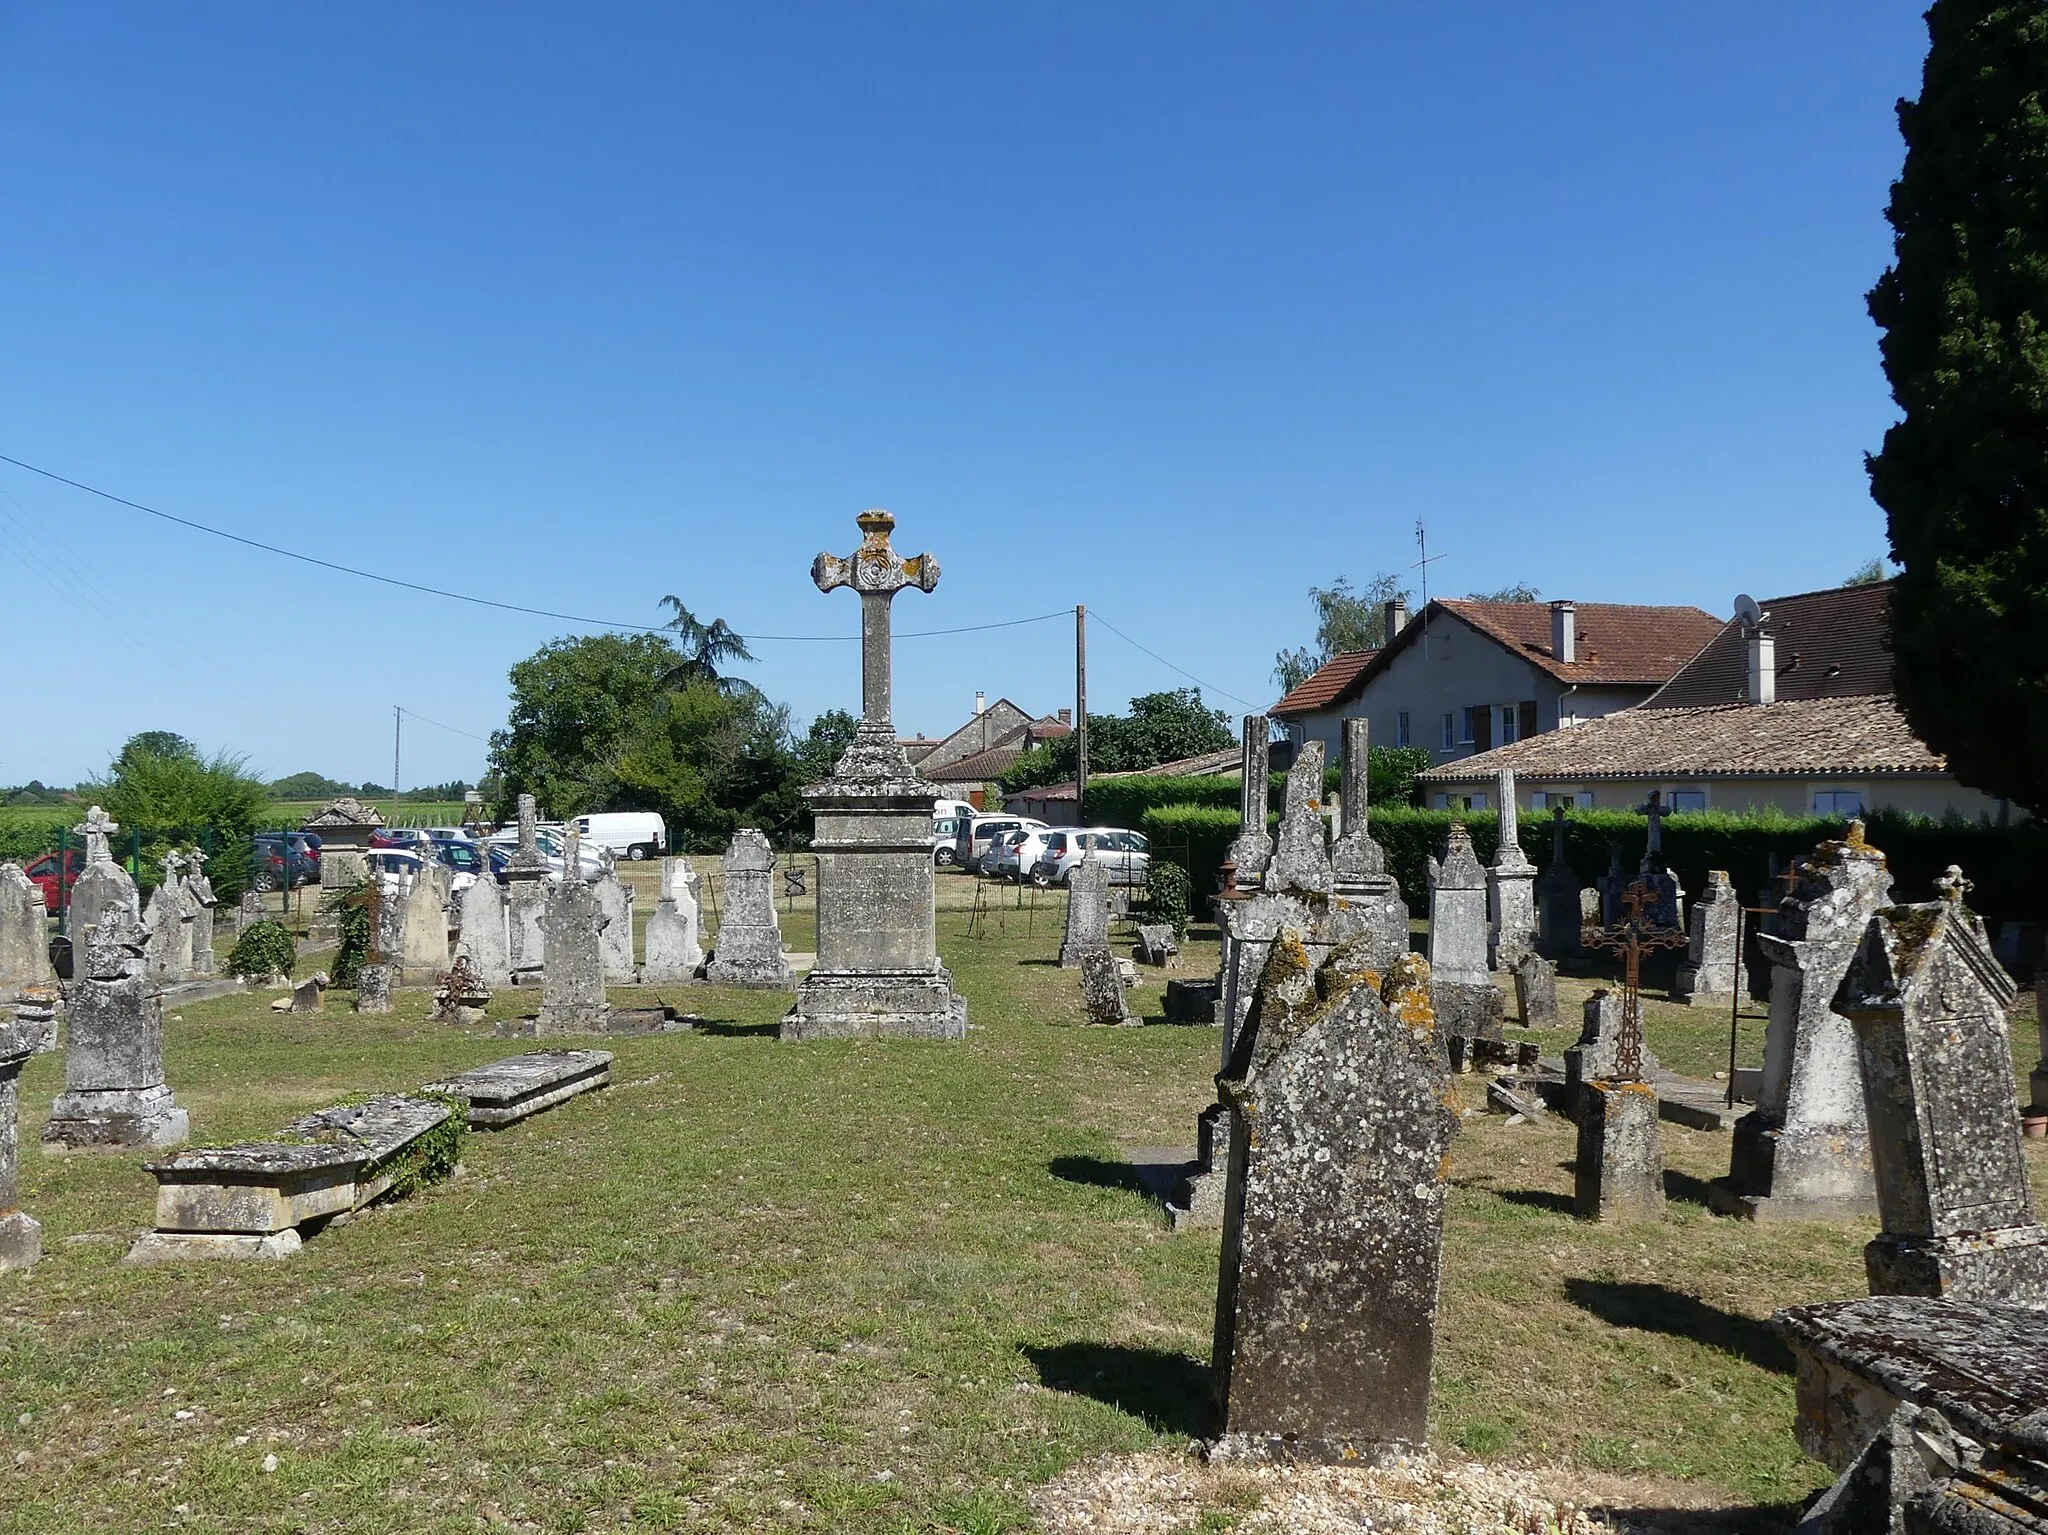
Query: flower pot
x=2034, y=1126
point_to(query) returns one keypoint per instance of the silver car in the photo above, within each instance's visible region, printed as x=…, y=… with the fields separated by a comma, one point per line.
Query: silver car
x=978, y=836
x=1125, y=855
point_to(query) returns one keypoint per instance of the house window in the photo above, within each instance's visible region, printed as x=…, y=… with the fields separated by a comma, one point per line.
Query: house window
x=1581, y=799
x=1475, y=801
x=1507, y=723
x=1450, y=734
x=1467, y=731
x=1843, y=802
x=1401, y=729
x=1681, y=800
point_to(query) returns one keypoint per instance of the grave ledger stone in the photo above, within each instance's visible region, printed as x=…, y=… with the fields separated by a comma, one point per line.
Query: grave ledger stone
x=1928, y=1003
x=115, y=1093
x=878, y=973
x=1804, y=1151
x=1333, y=1223
x=749, y=947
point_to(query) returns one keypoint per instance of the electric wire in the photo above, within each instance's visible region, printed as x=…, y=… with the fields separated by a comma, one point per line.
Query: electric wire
x=414, y=714
x=1155, y=655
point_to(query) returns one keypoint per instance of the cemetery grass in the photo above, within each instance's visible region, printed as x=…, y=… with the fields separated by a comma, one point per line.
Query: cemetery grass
x=835, y=1287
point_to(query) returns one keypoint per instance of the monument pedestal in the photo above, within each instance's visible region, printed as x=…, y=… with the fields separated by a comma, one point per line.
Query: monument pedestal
x=1795, y=1174
x=1619, y=1175
x=115, y=1117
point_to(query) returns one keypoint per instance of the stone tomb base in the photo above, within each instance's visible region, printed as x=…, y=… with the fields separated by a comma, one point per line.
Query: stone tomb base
x=507, y=1091
x=612, y=1020
x=2006, y=1267
x=876, y=1004
x=1810, y=1177
x=1620, y=1171
x=90, y=1121
x=1474, y=1011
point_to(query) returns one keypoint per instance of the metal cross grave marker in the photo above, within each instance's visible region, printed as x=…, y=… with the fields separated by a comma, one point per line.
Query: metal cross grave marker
x=1630, y=937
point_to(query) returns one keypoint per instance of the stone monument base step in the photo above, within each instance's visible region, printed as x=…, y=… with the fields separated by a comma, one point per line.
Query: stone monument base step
x=182, y=1246
x=838, y=1004
x=614, y=1020
x=1725, y=1198
x=115, y=1119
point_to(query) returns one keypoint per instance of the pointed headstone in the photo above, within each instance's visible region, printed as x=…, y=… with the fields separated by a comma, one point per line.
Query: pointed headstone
x=1467, y=1001
x=572, y=995
x=1713, y=974
x=615, y=900
x=1301, y=855
x=114, y=1091
x=423, y=928
x=103, y=884
x=749, y=947
x=486, y=938
x=169, y=924
x=24, y=940
x=1510, y=886
x=1563, y=913
x=675, y=953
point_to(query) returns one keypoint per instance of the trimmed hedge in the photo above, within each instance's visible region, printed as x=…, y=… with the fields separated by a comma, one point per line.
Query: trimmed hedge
x=1123, y=801
x=2004, y=861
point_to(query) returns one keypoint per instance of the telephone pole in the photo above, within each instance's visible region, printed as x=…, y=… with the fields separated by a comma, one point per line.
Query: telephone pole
x=1080, y=712
x=397, y=726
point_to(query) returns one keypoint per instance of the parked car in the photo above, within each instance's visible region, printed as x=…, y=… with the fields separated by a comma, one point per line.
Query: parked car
x=945, y=833
x=43, y=874
x=450, y=834
x=464, y=857
x=270, y=855
x=1126, y=855
x=1026, y=848
x=498, y=857
x=980, y=833
x=412, y=837
x=1000, y=861
x=634, y=834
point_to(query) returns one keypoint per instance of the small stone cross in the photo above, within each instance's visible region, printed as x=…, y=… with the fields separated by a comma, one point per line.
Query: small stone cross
x=1952, y=886
x=196, y=862
x=173, y=862
x=875, y=571
x=98, y=827
x=1655, y=811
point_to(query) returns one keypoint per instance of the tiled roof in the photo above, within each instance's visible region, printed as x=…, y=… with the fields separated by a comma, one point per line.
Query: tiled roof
x=1329, y=683
x=1864, y=735
x=1617, y=642
x=1830, y=644
x=983, y=766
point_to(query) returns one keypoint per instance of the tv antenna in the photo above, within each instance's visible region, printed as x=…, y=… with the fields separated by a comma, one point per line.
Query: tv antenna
x=1423, y=564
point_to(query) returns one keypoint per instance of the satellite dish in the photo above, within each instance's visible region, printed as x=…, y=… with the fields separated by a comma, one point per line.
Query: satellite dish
x=1747, y=610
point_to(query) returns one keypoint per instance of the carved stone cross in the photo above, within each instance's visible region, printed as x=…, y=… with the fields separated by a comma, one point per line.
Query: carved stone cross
x=97, y=828
x=875, y=571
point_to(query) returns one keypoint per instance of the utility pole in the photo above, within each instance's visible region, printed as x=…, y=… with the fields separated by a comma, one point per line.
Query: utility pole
x=1080, y=712
x=397, y=726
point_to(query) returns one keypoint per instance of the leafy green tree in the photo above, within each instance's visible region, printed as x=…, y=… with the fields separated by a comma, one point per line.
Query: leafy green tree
x=1869, y=573
x=578, y=705
x=157, y=743
x=1963, y=475
x=1346, y=620
x=823, y=745
x=1161, y=727
x=705, y=650
x=181, y=799
x=308, y=786
x=1521, y=591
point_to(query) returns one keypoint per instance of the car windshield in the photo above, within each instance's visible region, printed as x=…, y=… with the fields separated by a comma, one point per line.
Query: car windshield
x=458, y=855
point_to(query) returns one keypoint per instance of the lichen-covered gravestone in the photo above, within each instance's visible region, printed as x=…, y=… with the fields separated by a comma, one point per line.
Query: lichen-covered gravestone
x=1713, y=973
x=423, y=928
x=485, y=937
x=463, y=993
x=24, y=943
x=1928, y=1003
x=102, y=885
x=572, y=996
x=1599, y=1045
x=1087, y=912
x=1804, y=1151
x=21, y=1235
x=1619, y=1173
x=1510, y=886
x=200, y=901
x=1333, y=1227
x=114, y=1060
x=1156, y=944
x=615, y=900
x=675, y=953
x=1102, y=989
x=526, y=899
x=748, y=951
x=1536, y=991
x=1467, y=1001
x=169, y=924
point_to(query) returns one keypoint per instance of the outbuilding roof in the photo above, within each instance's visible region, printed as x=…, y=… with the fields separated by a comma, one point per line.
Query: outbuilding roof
x=1830, y=644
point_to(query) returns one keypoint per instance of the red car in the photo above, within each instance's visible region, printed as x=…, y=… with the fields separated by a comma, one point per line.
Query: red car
x=43, y=872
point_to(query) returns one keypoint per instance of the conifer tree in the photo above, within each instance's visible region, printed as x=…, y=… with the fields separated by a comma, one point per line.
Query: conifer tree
x=1963, y=477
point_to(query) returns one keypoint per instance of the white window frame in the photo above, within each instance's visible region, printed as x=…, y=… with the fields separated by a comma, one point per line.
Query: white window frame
x=1510, y=720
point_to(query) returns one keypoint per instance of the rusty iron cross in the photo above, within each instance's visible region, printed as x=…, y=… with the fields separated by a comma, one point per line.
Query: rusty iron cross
x=876, y=572
x=1631, y=937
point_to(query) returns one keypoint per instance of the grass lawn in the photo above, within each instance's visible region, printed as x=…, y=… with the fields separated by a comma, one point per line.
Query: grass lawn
x=837, y=1286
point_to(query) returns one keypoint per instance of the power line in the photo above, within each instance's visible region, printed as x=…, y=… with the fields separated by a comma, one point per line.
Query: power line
x=415, y=714
x=484, y=602
x=1155, y=655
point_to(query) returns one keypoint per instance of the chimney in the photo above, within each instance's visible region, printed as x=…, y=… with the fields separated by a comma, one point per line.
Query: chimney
x=1396, y=617
x=980, y=703
x=1564, y=631
x=1067, y=717
x=1763, y=665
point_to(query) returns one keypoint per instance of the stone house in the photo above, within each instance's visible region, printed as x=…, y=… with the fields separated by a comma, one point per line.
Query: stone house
x=1789, y=706
x=1058, y=804
x=983, y=749
x=1462, y=677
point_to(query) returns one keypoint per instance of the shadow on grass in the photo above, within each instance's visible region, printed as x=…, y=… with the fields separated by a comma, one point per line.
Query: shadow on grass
x=1169, y=1391
x=1659, y=1308
x=1099, y=1173
x=1538, y=1199
x=732, y=1029
x=1764, y=1519
x=1685, y=1188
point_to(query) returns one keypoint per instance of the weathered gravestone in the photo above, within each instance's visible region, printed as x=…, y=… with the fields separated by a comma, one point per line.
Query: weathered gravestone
x=526, y=899
x=1333, y=1227
x=1562, y=912
x=878, y=973
x=507, y=1091
x=1928, y=1003
x=748, y=951
x=1598, y=1051
x=1667, y=910
x=1510, y=886
x=1156, y=945
x=248, y=912
x=200, y=901
x=1467, y=1001
x=572, y=997
x=1536, y=992
x=1804, y=1150
x=168, y=952
x=674, y=951
x=24, y=938
x=35, y=1012
x=102, y=885
x=462, y=995
x=373, y=987
x=615, y=900
x=1252, y=849
x=1713, y=973
x=1619, y=1173
x=21, y=1235
x=1087, y=912
x=486, y=939
x=1358, y=864
x=114, y=1059
x=1929, y=1409
x=423, y=927
x=1102, y=989
x=1190, y=1000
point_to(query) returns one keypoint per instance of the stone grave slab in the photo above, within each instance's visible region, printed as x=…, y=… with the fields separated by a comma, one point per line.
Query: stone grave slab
x=507, y=1091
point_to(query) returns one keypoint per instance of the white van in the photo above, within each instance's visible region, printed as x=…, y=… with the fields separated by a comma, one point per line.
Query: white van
x=634, y=834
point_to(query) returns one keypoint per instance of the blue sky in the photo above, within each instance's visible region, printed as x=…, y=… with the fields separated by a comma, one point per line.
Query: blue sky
x=1174, y=310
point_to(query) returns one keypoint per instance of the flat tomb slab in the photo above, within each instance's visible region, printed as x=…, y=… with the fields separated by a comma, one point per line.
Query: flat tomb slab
x=380, y=1129
x=507, y=1091
x=257, y=1187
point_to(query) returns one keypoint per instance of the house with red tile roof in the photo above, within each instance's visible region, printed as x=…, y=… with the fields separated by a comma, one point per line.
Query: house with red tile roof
x=1788, y=706
x=1463, y=676
x=984, y=748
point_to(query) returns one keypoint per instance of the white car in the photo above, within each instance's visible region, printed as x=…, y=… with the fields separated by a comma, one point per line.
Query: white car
x=1125, y=855
x=634, y=834
x=551, y=842
x=975, y=838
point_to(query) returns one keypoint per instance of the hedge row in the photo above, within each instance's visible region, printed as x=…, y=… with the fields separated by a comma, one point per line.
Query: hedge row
x=2004, y=861
x=1123, y=800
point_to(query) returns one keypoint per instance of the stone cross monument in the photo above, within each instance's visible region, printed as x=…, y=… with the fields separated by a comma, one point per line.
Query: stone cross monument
x=103, y=884
x=878, y=972
x=1510, y=886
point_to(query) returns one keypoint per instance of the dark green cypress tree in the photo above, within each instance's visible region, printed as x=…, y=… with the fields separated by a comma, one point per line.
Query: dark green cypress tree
x=1963, y=478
